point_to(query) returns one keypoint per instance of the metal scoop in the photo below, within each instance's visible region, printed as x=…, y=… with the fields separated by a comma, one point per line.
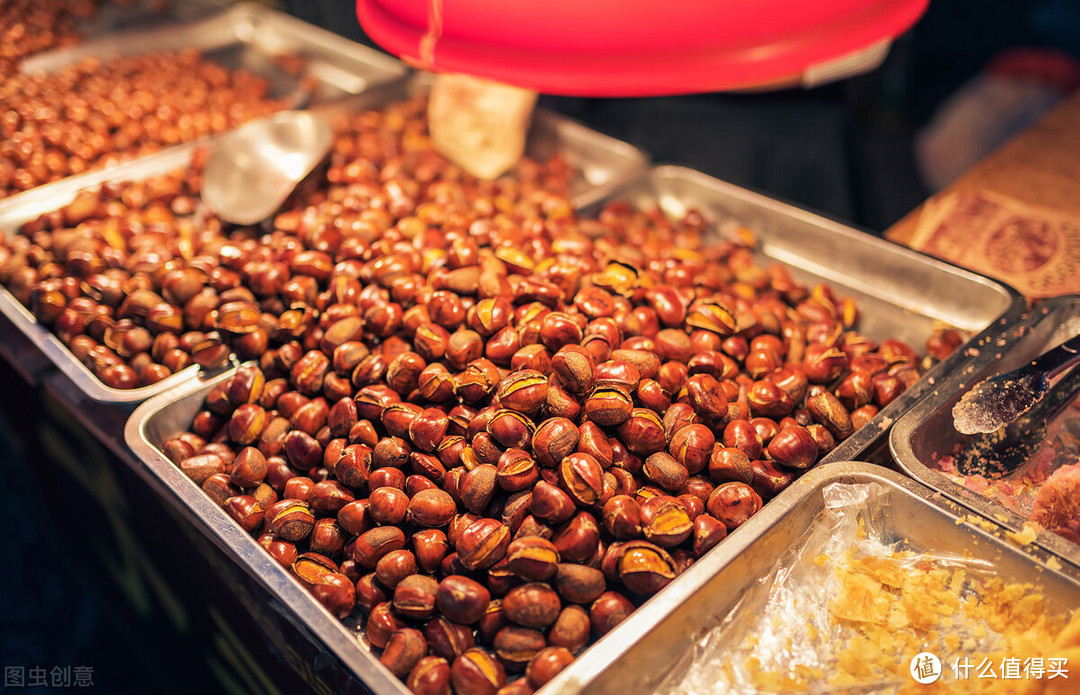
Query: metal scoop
x=254, y=168
x=997, y=401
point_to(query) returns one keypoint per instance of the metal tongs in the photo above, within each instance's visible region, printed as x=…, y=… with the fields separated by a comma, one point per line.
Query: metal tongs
x=1009, y=411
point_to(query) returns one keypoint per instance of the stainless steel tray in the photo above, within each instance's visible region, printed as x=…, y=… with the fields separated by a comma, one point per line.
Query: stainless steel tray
x=926, y=431
x=900, y=292
x=23, y=207
x=635, y=655
x=112, y=16
x=605, y=164
x=249, y=36
x=75, y=370
x=661, y=629
x=171, y=413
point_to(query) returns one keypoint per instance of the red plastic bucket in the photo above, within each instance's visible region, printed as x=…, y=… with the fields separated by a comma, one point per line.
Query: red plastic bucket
x=633, y=47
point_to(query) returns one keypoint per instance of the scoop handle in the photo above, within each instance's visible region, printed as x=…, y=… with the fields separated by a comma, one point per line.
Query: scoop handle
x=1053, y=361
x=1061, y=393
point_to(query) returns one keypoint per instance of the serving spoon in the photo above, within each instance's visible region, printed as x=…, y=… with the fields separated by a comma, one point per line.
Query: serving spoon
x=253, y=169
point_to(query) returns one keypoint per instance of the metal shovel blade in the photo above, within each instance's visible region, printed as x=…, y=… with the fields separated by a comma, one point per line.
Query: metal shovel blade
x=254, y=169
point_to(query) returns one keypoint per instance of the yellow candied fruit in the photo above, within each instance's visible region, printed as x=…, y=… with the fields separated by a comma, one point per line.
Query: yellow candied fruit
x=883, y=570
x=1026, y=537
x=890, y=609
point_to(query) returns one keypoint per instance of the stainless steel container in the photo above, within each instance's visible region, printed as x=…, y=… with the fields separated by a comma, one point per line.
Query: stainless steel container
x=926, y=432
x=899, y=292
x=246, y=36
x=110, y=17
x=604, y=163
x=250, y=36
x=909, y=294
x=636, y=655
x=664, y=627
x=23, y=207
x=171, y=413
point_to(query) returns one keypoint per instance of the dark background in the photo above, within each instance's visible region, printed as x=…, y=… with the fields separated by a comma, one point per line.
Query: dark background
x=844, y=149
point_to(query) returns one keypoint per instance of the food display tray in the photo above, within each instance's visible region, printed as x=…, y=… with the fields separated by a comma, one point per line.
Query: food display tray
x=899, y=292
x=112, y=16
x=639, y=652
x=604, y=162
x=253, y=37
x=932, y=291
x=169, y=414
x=21, y=208
x=926, y=432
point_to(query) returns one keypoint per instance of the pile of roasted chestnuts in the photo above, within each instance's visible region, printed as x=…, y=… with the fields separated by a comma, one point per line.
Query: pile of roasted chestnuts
x=482, y=425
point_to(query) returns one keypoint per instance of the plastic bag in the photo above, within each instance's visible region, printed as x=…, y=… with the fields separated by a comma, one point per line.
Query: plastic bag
x=783, y=635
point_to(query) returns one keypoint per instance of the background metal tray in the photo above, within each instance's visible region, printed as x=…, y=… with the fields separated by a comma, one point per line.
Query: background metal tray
x=927, y=431
x=662, y=630
x=248, y=36
x=899, y=292
x=112, y=16
x=605, y=164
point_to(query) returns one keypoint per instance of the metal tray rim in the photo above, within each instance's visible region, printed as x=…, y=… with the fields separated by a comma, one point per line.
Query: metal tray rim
x=845, y=229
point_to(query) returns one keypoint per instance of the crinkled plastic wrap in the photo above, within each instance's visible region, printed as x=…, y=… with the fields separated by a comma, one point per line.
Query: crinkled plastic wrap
x=784, y=622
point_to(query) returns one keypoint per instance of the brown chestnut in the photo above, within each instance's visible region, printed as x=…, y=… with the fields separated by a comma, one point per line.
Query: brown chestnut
x=534, y=605
x=734, y=503
x=462, y=600
x=477, y=672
